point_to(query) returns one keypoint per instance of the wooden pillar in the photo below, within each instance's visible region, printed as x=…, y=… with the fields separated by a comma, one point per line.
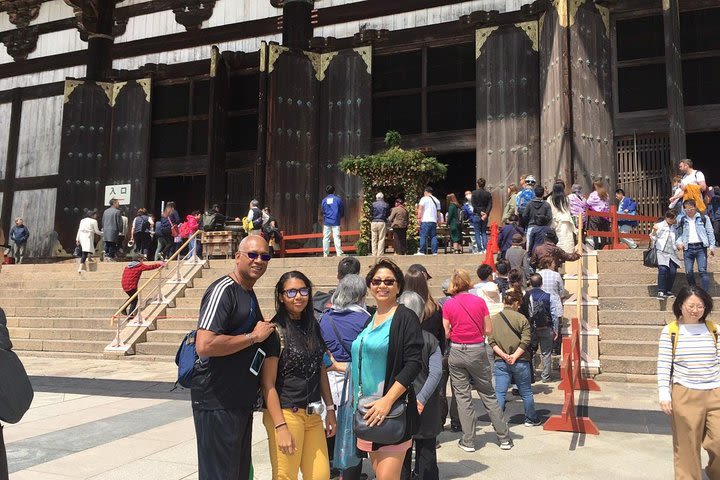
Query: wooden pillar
x=674, y=82
x=100, y=41
x=260, y=160
x=11, y=165
x=215, y=182
x=297, y=24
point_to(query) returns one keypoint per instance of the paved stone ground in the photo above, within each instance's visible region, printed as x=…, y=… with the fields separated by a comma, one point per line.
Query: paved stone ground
x=100, y=419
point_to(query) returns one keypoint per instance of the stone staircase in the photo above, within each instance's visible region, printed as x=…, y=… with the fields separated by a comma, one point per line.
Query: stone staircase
x=631, y=318
x=53, y=310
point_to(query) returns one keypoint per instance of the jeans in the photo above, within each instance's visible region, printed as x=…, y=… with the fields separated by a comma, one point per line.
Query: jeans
x=716, y=229
x=425, y=461
x=142, y=243
x=378, y=232
x=629, y=241
x=480, y=229
x=110, y=249
x=163, y=245
x=520, y=374
x=18, y=251
x=471, y=363
x=335, y=231
x=666, y=277
x=543, y=338
x=697, y=252
x=428, y=229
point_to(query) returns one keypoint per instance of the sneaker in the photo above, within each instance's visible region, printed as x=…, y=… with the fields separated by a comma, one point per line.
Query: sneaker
x=669, y=294
x=419, y=253
x=532, y=423
x=467, y=448
x=455, y=428
x=516, y=392
x=661, y=296
x=506, y=445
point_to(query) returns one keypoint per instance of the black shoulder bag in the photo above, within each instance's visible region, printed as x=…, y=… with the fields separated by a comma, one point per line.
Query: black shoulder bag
x=392, y=429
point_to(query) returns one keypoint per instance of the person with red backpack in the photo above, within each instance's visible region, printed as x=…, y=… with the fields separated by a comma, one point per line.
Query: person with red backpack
x=544, y=310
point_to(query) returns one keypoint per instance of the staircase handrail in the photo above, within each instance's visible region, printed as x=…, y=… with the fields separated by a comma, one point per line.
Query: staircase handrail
x=119, y=312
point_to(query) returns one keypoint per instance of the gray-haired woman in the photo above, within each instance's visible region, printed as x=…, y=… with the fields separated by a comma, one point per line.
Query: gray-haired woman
x=428, y=400
x=339, y=327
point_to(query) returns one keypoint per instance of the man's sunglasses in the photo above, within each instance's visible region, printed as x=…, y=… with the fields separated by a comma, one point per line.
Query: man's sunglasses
x=292, y=292
x=388, y=282
x=265, y=257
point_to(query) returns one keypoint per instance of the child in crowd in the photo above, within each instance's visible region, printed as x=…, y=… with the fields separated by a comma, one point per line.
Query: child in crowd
x=502, y=268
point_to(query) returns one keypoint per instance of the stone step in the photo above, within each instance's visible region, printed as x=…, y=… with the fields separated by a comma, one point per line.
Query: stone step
x=61, y=345
x=101, y=267
x=629, y=348
x=626, y=378
x=64, y=355
x=64, y=312
x=61, y=334
x=24, y=300
x=176, y=324
x=637, y=303
x=157, y=348
x=60, y=323
x=118, y=292
x=642, y=317
x=648, y=277
x=649, y=289
x=166, y=336
x=628, y=365
x=629, y=333
x=626, y=255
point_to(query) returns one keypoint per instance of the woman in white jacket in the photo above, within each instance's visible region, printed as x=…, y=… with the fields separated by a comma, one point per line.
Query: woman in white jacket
x=85, y=237
x=562, y=221
x=664, y=235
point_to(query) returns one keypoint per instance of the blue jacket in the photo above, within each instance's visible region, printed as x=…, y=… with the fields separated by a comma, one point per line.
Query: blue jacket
x=714, y=207
x=333, y=211
x=380, y=211
x=523, y=198
x=19, y=234
x=506, y=234
x=704, y=230
x=628, y=204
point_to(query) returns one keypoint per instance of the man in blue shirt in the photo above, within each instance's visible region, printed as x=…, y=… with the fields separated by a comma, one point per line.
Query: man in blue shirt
x=626, y=206
x=378, y=224
x=333, y=212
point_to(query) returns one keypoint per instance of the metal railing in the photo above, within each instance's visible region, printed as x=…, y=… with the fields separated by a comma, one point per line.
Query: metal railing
x=151, y=292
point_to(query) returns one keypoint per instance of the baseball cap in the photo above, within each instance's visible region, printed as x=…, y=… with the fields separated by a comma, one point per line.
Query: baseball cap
x=530, y=179
x=416, y=267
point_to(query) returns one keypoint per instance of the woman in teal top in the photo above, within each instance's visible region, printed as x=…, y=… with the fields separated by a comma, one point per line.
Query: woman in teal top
x=391, y=359
x=453, y=222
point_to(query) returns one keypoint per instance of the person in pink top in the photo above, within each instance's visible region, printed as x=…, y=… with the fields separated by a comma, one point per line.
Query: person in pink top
x=599, y=201
x=467, y=320
x=187, y=229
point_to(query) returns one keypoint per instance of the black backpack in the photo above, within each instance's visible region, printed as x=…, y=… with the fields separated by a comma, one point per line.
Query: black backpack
x=540, y=313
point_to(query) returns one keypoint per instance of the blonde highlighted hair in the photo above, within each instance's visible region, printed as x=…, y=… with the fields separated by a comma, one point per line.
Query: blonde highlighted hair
x=459, y=282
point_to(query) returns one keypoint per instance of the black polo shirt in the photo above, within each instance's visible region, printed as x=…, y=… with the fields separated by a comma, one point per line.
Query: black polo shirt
x=226, y=383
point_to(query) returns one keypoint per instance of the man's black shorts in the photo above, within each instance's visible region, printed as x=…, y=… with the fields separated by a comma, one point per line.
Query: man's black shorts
x=224, y=443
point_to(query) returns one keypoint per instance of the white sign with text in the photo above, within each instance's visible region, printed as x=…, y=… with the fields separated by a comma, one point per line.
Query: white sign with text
x=119, y=192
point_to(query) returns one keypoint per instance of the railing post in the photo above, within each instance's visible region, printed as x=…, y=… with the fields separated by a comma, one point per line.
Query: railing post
x=160, y=296
x=138, y=320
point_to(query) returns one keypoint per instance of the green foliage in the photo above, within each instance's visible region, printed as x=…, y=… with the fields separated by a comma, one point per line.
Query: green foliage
x=395, y=170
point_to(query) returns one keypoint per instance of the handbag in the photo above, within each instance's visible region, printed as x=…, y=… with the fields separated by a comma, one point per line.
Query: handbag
x=345, y=442
x=78, y=251
x=393, y=427
x=650, y=256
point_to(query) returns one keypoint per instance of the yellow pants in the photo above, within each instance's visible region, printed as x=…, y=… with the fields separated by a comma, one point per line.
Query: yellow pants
x=311, y=455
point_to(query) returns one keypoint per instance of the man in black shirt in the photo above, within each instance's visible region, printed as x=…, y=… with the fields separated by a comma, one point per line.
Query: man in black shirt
x=482, y=204
x=230, y=330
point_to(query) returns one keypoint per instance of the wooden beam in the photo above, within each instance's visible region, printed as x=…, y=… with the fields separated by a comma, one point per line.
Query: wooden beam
x=674, y=81
x=11, y=162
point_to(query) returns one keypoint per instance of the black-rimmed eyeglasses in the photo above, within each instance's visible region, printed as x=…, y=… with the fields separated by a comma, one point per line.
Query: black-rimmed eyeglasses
x=265, y=257
x=292, y=292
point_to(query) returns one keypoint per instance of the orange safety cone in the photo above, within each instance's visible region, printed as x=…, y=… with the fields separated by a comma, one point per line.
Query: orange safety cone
x=492, y=247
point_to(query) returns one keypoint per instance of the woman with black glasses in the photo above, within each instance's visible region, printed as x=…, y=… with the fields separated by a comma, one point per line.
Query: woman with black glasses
x=294, y=381
x=387, y=356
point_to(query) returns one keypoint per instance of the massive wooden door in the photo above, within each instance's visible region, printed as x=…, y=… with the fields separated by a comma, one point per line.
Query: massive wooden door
x=84, y=150
x=345, y=121
x=130, y=108
x=507, y=107
x=318, y=111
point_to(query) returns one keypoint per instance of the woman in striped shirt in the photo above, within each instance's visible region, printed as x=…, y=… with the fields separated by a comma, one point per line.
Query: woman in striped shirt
x=688, y=372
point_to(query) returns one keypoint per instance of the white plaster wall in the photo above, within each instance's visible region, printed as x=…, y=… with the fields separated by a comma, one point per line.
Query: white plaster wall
x=40, y=131
x=55, y=43
x=5, y=110
x=41, y=78
x=192, y=54
x=53, y=10
x=37, y=208
x=5, y=22
x=151, y=25
x=125, y=3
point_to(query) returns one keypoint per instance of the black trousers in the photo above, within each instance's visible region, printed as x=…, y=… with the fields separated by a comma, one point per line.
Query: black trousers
x=425, y=461
x=400, y=240
x=131, y=308
x=445, y=406
x=3, y=457
x=224, y=443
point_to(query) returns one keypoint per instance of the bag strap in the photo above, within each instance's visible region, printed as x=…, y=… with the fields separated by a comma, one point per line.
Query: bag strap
x=337, y=335
x=480, y=330
x=507, y=322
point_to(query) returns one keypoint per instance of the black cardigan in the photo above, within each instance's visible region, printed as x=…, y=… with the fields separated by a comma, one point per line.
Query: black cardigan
x=404, y=363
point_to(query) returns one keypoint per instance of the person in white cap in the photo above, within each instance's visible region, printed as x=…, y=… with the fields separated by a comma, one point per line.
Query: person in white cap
x=526, y=195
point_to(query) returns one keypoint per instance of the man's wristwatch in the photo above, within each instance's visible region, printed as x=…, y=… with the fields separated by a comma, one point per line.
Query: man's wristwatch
x=331, y=408
x=251, y=337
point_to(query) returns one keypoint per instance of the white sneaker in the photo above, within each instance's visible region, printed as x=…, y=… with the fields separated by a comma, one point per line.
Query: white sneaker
x=419, y=253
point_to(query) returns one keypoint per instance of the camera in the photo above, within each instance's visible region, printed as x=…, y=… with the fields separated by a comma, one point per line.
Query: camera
x=315, y=408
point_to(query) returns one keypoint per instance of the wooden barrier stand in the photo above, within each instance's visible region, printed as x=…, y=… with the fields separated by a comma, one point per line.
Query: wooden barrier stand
x=613, y=216
x=308, y=236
